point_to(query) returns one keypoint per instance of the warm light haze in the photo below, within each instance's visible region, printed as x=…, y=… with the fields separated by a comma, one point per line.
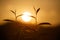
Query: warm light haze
x=49, y=10
x=26, y=17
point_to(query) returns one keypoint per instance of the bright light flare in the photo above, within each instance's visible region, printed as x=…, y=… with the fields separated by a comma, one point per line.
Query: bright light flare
x=26, y=17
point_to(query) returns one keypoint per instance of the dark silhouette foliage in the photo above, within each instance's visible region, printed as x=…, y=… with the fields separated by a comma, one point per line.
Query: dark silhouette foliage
x=46, y=23
x=14, y=30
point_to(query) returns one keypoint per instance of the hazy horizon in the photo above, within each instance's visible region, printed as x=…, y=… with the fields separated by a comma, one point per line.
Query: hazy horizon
x=49, y=9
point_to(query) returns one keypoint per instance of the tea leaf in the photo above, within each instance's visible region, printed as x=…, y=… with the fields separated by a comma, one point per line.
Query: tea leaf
x=45, y=23
x=8, y=20
x=19, y=15
x=13, y=12
x=34, y=8
x=37, y=10
x=33, y=17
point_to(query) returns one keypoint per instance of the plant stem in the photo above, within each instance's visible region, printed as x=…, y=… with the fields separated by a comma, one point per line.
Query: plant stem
x=15, y=17
x=36, y=19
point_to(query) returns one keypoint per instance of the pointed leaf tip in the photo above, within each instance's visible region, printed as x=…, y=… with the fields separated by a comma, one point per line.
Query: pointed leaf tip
x=12, y=11
x=19, y=15
x=34, y=8
x=37, y=10
x=33, y=17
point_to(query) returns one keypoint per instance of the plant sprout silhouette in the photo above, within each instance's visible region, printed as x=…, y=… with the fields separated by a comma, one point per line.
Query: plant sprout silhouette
x=16, y=16
x=36, y=12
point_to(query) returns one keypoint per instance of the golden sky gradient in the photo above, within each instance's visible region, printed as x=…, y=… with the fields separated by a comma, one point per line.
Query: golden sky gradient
x=49, y=9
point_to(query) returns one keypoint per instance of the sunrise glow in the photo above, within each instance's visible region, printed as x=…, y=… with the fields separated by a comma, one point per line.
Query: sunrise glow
x=26, y=17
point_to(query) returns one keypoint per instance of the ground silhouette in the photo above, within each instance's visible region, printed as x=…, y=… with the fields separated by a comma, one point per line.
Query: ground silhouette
x=14, y=30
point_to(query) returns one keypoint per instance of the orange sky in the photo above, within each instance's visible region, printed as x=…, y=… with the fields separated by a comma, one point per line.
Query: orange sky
x=49, y=9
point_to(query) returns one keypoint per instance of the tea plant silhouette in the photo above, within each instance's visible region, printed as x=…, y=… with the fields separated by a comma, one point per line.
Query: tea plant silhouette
x=36, y=12
x=16, y=16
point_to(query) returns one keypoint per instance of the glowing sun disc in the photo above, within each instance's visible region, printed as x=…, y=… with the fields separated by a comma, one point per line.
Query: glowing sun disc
x=26, y=17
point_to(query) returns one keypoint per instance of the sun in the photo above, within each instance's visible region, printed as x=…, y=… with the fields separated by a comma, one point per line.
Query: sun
x=26, y=17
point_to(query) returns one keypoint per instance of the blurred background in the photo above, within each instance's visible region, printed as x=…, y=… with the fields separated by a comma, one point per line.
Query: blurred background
x=49, y=9
x=48, y=20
